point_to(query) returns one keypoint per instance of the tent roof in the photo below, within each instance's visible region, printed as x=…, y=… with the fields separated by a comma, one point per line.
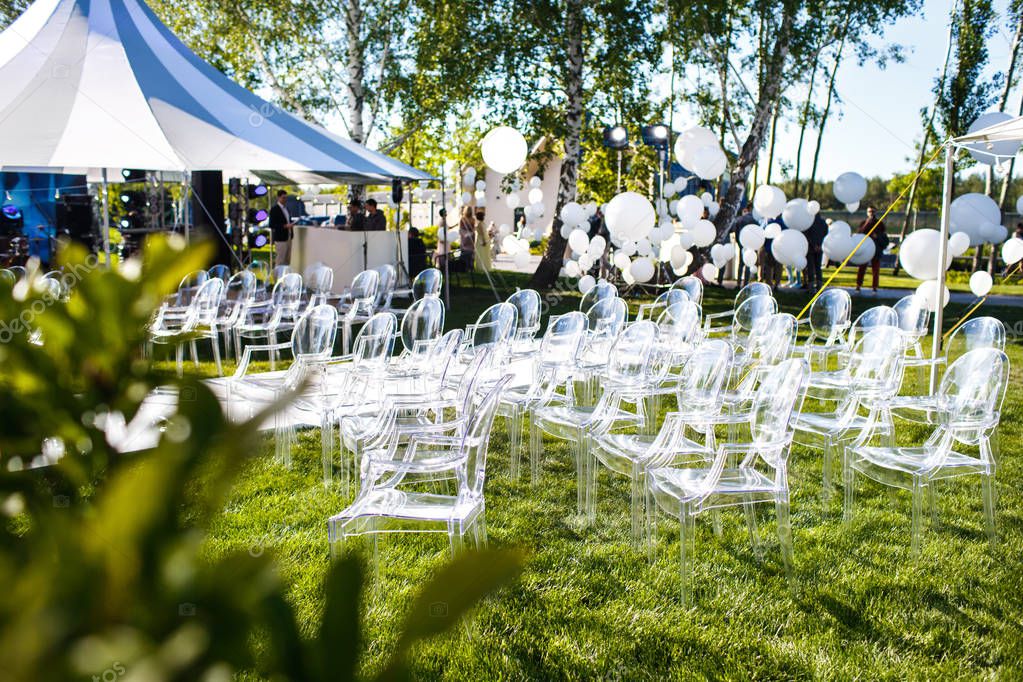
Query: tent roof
x=92, y=84
x=1006, y=131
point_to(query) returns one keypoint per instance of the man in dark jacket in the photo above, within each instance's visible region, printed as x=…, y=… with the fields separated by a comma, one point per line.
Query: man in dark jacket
x=375, y=218
x=356, y=221
x=280, y=228
x=815, y=235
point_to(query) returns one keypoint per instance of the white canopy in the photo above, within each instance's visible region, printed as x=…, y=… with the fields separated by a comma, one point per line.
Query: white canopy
x=1006, y=131
x=103, y=84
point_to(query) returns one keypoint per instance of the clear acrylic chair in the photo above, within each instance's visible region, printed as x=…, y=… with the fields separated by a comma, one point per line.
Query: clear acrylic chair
x=651, y=311
x=829, y=319
x=319, y=281
x=746, y=473
x=746, y=317
x=693, y=286
x=278, y=272
x=605, y=321
x=874, y=374
x=265, y=319
x=384, y=507
x=429, y=282
x=239, y=293
x=261, y=269
x=969, y=403
x=547, y=382
x=494, y=330
x=357, y=304
x=219, y=271
x=628, y=365
x=311, y=346
x=710, y=321
x=699, y=390
x=528, y=305
x=871, y=318
x=913, y=321
x=679, y=333
x=974, y=334
x=598, y=292
x=199, y=321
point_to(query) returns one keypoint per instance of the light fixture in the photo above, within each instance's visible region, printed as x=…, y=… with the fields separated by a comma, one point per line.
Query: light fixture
x=616, y=137
x=656, y=135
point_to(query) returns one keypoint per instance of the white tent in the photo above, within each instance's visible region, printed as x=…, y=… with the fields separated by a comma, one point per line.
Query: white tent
x=1006, y=131
x=103, y=84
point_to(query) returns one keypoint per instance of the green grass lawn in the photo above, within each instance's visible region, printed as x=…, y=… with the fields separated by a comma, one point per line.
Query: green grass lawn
x=957, y=281
x=588, y=606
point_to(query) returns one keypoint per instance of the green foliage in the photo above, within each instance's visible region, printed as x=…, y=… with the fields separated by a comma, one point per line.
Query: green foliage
x=101, y=553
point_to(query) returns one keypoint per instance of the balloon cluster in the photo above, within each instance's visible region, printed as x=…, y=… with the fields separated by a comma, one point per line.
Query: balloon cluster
x=697, y=149
x=978, y=217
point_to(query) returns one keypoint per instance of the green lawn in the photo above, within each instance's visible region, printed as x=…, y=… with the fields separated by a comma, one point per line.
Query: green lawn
x=957, y=281
x=588, y=606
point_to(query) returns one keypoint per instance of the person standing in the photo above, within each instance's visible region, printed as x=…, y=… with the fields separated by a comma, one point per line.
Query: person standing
x=484, y=242
x=815, y=235
x=467, y=238
x=375, y=218
x=281, y=228
x=356, y=221
x=880, y=239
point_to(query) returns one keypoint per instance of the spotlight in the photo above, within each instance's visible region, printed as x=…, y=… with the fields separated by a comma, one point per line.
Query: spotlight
x=656, y=135
x=257, y=191
x=257, y=215
x=616, y=137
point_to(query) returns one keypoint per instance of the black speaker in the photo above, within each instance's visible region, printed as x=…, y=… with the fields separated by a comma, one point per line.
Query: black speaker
x=75, y=219
x=234, y=187
x=208, y=211
x=397, y=191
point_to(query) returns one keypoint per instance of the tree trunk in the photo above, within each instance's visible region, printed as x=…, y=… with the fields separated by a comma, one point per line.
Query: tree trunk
x=767, y=99
x=356, y=69
x=826, y=112
x=804, y=120
x=770, y=145
x=550, y=265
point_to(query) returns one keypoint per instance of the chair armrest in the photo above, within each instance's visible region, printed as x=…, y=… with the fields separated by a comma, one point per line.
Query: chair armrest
x=243, y=364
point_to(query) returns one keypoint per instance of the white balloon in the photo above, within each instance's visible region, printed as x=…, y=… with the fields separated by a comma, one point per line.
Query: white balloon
x=621, y=260
x=958, y=243
x=627, y=276
x=597, y=246
x=969, y=212
x=708, y=162
x=585, y=262
x=749, y=258
x=644, y=248
x=522, y=259
x=591, y=209
x=1019, y=205
x=772, y=230
x=706, y=198
x=628, y=247
x=586, y=282
x=677, y=255
x=1000, y=234
x=538, y=209
x=813, y=206
x=453, y=235
x=865, y=250
x=849, y=187
x=690, y=210
x=928, y=291
x=642, y=269
x=673, y=207
x=991, y=153
x=572, y=269
x=1012, y=251
x=566, y=230
x=716, y=255
x=919, y=254
x=713, y=208
x=578, y=241
x=837, y=247
x=504, y=230
x=709, y=271
x=510, y=245
x=790, y=247
x=535, y=195
x=630, y=215
x=852, y=207
x=573, y=214
x=989, y=231
x=704, y=233
x=481, y=185
x=840, y=227
x=504, y=149
x=751, y=237
x=981, y=283
x=769, y=201
x=535, y=182
x=685, y=238
x=513, y=201
x=796, y=215
x=466, y=198
x=690, y=140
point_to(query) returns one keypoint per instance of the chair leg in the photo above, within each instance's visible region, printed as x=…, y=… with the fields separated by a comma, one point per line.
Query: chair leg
x=195, y=352
x=482, y=521
x=848, y=474
x=918, y=494
x=514, y=423
x=751, y=524
x=535, y=448
x=216, y=354
x=932, y=502
x=987, y=483
x=179, y=357
x=826, y=480
x=636, y=507
x=687, y=548
x=785, y=538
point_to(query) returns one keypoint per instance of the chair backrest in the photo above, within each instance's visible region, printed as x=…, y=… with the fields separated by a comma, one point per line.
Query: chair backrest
x=629, y=359
x=220, y=271
x=875, y=365
x=607, y=317
x=202, y=311
x=385, y=286
x=780, y=393
x=495, y=326
x=752, y=289
x=423, y=321
x=427, y=283
x=287, y=292
x=442, y=355
x=598, y=292
x=563, y=339
x=652, y=311
x=830, y=314
x=375, y=342
x=476, y=441
x=189, y=286
x=241, y=287
x=527, y=303
x=261, y=269
x=364, y=286
x=704, y=378
x=679, y=325
x=18, y=270
x=772, y=339
x=278, y=272
x=913, y=316
x=313, y=336
x=878, y=316
x=971, y=391
x=749, y=312
x=319, y=280
x=693, y=286
x=978, y=332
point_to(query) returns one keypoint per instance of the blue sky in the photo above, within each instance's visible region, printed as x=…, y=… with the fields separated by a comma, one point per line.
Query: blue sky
x=880, y=115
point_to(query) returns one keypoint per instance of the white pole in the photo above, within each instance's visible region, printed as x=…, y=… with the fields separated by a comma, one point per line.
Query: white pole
x=106, y=220
x=187, y=200
x=946, y=201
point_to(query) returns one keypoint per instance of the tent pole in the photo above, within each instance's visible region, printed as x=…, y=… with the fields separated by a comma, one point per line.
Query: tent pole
x=187, y=201
x=444, y=236
x=106, y=220
x=946, y=201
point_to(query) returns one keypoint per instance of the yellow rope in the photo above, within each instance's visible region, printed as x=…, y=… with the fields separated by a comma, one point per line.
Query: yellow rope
x=867, y=235
x=963, y=319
